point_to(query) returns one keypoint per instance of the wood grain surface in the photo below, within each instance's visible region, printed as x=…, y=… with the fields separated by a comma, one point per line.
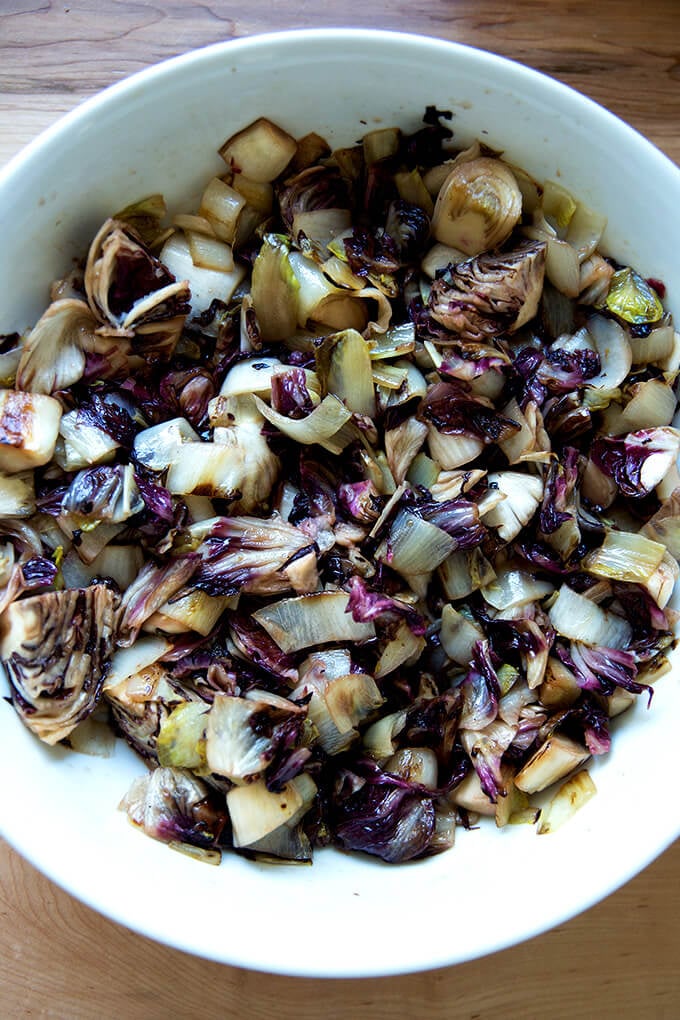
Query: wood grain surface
x=60, y=959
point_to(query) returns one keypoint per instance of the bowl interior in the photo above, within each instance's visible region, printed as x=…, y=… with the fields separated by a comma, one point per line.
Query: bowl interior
x=159, y=132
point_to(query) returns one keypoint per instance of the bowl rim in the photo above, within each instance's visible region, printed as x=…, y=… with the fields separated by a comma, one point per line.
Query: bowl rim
x=132, y=85
x=136, y=81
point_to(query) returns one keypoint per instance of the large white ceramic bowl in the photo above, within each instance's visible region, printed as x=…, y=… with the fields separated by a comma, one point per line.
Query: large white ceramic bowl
x=345, y=915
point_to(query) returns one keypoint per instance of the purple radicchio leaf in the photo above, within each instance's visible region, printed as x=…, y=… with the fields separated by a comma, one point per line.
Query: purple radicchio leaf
x=189, y=391
x=369, y=253
x=365, y=605
x=317, y=496
x=433, y=723
x=137, y=273
x=256, y=645
x=290, y=395
x=528, y=386
x=207, y=665
x=173, y=805
x=531, y=719
x=486, y=750
x=603, y=669
x=195, y=653
x=559, y=487
x=466, y=366
x=541, y=555
x=38, y=572
x=284, y=729
x=360, y=500
x=149, y=401
x=408, y=227
x=315, y=187
x=105, y=413
x=566, y=418
x=286, y=766
x=595, y=723
x=481, y=690
x=458, y=517
x=248, y=554
x=150, y=590
x=49, y=501
x=111, y=365
x=563, y=371
x=586, y=722
x=454, y=412
x=509, y=639
x=626, y=459
x=426, y=327
x=491, y=294
x=641, y=611
x=157, y=499
x=382, y=816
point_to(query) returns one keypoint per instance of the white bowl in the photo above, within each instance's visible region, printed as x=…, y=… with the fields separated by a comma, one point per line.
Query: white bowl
x=346, y=915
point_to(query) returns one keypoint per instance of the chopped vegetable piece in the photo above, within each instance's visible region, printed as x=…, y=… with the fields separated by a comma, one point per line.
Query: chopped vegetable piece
x=477, y=206
x=633, y=299
x=570, y=797
x=553, y=760
x=256, y=812
x=29, y=425
x=312, y=620
x=260, y=151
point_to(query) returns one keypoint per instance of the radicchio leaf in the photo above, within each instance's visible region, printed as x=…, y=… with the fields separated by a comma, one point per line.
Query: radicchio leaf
x=382, y=816
x=433, y=723
x=526, y=364
x=56, y=649
x=39, y=572
x=290, y=395
x=102, y=411
x=189, y=392
x=540, y=555
x=566, y=418
x=157, y=499
x=365, y=605
x=458, y=517
x=641, y=611
x=371, y=254
x=595, y=722
x=257, y=647
x=152, y=588
x=408, y=227
x=361, y=500
x=562, y=371
x=467, y=363
x=315, y=187
x=260, y=556
x=453, y=411
x=486, y=749
x=603, y=669
x=626, y=459
x=121, y=271
x=491, y=294
x=557, y=506
x=172, y=805
x=481, y=690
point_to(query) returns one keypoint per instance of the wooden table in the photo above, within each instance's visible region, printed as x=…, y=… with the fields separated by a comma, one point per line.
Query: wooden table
x=58, y=958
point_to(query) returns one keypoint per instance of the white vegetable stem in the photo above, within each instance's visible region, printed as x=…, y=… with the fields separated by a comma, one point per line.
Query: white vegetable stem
x=578, y=618
x=310, y=620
